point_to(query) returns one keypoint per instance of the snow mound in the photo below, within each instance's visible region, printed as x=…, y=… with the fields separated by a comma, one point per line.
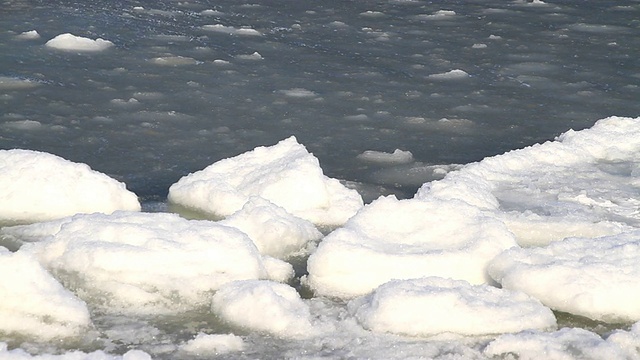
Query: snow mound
x=285, y=174
x=274, y=231
x=214, y=344
x=38, y=186
x=403, y=239
x=566, y=343
x=586, y=178
x=430, y=306
x=264, y=306
x=595, y=278
x=71, y=42
x=34, y=304
x=148, y=262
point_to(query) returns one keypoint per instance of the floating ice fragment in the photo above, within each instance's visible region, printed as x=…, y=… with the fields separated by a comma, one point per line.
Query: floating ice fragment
x=174, y=61
x=450, y=75
x=403, y=239
x=146, y=262
x=285, y=174
x=255, y=56
x=213, y=344
x=595, y=278
x=28, y=35
x=298, y=93
x=232, y=30
x=264, y=306
x=287, y=235
x=39, y=186
x=33, y=304
x=432, y=305
x=396, y=157
x=71, y=42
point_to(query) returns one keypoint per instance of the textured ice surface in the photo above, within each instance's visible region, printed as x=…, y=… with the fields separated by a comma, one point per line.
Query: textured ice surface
x=598, y=278
x=404, y=239
x=34, y=305
x=148, y=262
x=430, y=306
x=40, y=186
x=264, y=306
x=285, y=174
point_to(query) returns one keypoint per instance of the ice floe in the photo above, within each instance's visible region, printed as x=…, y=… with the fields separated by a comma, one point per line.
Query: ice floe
x=39, y=186
x=432, y=305
x=264, y=306
x=285, y=174
x=213, y=344
x=34, y=305
x=598, y=278
x=403, y=239
x=70, y=42
x=396, y=157
x=147, y=262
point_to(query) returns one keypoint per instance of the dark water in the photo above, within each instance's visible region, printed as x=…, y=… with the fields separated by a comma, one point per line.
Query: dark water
x=534, y=72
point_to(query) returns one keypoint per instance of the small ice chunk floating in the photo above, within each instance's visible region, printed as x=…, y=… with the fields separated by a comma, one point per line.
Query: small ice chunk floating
x=70, y=42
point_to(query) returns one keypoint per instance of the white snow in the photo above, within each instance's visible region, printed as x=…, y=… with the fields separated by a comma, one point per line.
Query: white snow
x=274, y=231
x=566, y=343
x=583, y=177
x=396, y=157
x=147, y=262
x=449, y=75
x=403, y=239
x=285, y=174
x=40, y=186
x=20, y=354
x=432, y=305
x=70, y=42
x=264, y=306
x=34, y=305
x=213, y=344
x=595, y=278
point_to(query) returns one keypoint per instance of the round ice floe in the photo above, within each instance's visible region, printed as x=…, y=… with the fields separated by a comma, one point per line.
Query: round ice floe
x=37, y=186
x=76, y=43
x=285, y=174
x=144, y=262
x=274, y=231
x=34, y=304
x=396, y=157
x=214, y=344
x=596, y=278
x=588, y=177
x=567, y=343
x=264, y=306
x=432, y=305
x=403, y=239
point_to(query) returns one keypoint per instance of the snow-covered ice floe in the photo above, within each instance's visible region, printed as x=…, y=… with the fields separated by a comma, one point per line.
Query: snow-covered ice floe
x=285, y=174
x=595, y=278
x=432, y=305
x=34, y=304
x=133, y=262
x=585, y=183
x=403, y=239
x=70, y=42
x=38, y=186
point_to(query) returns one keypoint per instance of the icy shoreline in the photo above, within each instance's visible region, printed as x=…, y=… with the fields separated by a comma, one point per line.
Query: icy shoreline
x=555, y=225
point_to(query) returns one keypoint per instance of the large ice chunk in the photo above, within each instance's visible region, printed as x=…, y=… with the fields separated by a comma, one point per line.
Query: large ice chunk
x=285, y=174
x=274, y=231
x=147, y=262
x=37, y=186
x=583, y=184
x=403, y=239
x=70, y=42
x=34, y=304
x=265, y=306
x=432, y=305
x=596, y=278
